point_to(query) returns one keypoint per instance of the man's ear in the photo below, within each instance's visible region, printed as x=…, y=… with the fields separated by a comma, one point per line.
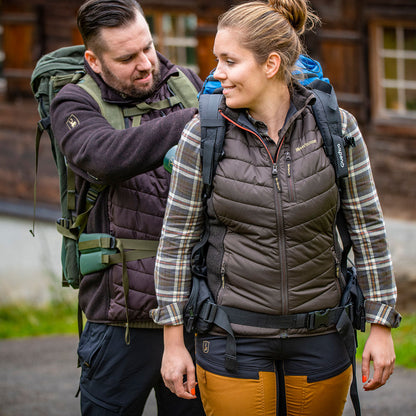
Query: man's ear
x=272, y=65
x=93, y=61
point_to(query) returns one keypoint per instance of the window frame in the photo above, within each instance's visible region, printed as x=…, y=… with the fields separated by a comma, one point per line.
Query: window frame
x=378, y=83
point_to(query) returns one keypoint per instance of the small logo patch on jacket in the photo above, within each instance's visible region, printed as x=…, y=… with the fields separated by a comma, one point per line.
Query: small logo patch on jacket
x=72, y=122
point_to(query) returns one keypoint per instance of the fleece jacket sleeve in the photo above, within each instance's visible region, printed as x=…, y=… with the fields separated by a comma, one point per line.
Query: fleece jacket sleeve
x=99, y=153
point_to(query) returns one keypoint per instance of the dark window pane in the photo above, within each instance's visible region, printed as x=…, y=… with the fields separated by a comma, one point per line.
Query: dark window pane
x=411, y=100
x=390, y=68
x=389, y=38
x=151, y=22
x=392, y=100
x=191, y=56
x=410, y=39
x=410, y=69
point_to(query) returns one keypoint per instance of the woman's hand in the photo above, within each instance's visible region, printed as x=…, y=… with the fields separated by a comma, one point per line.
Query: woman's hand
x=379, y=348
x=177, y=363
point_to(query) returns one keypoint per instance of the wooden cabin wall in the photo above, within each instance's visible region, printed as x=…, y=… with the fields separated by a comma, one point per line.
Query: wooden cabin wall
x=32, y=28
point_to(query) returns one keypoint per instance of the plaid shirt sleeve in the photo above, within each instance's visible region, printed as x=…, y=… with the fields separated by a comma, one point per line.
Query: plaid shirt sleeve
x=182, y=229
x=363, y=213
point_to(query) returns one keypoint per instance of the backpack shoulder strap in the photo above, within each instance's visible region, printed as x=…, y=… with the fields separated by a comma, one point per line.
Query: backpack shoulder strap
x=328, y=119
x=182, y=87
x=212, y=139
x=212, y=135
x=112, y=113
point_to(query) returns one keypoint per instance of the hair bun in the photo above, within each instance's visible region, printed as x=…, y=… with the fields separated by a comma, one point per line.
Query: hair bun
x=297, y=12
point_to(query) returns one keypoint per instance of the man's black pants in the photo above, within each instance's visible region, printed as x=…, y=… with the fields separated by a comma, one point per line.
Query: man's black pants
x=116, y=378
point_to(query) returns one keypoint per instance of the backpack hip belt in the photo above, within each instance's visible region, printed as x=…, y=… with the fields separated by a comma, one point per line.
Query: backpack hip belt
x=324, y=318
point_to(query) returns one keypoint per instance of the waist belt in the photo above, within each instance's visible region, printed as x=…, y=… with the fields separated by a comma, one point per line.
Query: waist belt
x=224, y=316
x=310, y=320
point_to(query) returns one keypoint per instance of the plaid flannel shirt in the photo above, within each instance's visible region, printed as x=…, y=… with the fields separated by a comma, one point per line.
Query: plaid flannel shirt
x=184, y=224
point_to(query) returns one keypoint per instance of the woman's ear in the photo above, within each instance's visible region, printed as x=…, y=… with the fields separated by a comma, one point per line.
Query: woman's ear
x=272, y=65
x=93, y=61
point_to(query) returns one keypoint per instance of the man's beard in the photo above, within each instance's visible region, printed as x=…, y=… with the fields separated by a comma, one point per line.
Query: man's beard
x=131, y=90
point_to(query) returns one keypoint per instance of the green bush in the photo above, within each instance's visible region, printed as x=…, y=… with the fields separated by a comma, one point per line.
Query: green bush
x=28, y=320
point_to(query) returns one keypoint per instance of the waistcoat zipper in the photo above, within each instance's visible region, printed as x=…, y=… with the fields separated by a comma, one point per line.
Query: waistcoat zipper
x=291, y=187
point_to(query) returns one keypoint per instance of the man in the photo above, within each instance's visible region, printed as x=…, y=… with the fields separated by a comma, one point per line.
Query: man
x=119, y=372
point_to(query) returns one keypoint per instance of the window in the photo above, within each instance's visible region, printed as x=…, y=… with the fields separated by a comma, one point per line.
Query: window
x=395, y=69
x=174, y=36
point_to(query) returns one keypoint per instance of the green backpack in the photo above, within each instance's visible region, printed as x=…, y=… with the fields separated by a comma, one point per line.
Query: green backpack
x=85, y=253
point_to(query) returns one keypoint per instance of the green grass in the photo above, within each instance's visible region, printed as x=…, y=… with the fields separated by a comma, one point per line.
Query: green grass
x=60, y=317
x=28, y=320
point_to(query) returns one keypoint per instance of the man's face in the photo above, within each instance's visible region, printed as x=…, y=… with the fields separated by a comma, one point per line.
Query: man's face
x=128, y=63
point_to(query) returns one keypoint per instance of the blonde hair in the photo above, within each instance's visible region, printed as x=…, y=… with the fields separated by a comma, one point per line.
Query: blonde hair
x=269, y=27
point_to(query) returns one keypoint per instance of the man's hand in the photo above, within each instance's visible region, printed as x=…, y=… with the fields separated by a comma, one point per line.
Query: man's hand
x=177, y=363
x=379, y=348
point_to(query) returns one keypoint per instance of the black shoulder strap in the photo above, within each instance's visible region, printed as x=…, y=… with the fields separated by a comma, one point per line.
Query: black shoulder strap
x=327, y=117
x=212, y=135
x=212, y=139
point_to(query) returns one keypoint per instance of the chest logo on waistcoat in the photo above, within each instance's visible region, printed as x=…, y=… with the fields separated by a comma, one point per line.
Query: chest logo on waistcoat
x=304, y=146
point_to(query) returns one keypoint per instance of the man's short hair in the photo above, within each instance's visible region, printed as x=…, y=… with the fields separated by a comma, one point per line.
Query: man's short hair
x=94, y=15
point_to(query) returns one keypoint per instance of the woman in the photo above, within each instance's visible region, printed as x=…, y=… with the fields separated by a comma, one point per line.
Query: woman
x=271, y=247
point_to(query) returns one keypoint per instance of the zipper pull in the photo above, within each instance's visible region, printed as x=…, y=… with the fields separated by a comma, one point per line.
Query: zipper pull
x=276, y=178
x=288, y=164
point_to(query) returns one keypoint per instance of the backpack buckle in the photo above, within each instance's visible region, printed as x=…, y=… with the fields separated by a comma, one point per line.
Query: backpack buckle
x=208, y=311
x=64, y=222
x=318, y=319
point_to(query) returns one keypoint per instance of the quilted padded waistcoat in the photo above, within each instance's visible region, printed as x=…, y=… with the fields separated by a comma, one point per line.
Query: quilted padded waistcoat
x=272, y=220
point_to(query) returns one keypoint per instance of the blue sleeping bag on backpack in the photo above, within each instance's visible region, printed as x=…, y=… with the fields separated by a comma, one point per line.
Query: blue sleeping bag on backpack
x=307, y=70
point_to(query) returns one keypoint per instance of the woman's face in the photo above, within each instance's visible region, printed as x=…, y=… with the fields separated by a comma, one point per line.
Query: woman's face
x=242, y=78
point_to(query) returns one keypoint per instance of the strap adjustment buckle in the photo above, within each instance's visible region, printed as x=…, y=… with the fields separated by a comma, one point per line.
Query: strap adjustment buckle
x=64, y=222
x=208, y=311
x=318, y=319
